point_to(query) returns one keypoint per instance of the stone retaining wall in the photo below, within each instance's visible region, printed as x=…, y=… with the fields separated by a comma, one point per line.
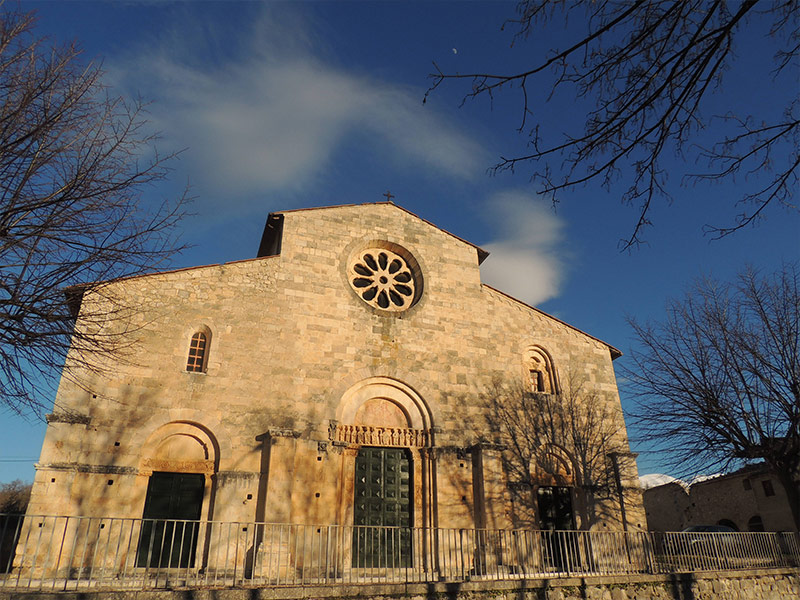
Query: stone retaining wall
x=766, y=584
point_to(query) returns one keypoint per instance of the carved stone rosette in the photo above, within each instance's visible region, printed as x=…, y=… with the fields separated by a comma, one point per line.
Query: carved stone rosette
x=383, y=279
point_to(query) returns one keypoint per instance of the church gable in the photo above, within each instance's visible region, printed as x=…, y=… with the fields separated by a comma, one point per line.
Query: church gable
x=349, y=243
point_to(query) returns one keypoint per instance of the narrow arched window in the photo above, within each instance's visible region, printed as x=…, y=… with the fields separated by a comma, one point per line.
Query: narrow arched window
x=540, y=373
x=197, y=353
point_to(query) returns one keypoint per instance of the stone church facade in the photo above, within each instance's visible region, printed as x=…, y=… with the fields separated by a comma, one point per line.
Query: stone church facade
x=334, y=379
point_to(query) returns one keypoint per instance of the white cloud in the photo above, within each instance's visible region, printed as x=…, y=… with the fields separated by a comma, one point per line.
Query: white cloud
x=525, y=261
x=272, y=117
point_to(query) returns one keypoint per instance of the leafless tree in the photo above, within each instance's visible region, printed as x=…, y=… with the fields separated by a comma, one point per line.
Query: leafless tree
x=718, y=380
x=649, y=67
x=577, y=420
x=14, y=497
x=74, y=165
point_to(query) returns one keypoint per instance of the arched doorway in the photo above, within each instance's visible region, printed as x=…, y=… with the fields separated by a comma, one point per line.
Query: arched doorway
x=555, y=483
x=387, y=470
x=728, y=523
x=179, y=460
x=756, y=524
x=554, y=475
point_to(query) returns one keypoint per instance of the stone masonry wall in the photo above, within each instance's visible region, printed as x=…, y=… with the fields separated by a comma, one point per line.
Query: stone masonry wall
x=288, y=339
x=736, y=498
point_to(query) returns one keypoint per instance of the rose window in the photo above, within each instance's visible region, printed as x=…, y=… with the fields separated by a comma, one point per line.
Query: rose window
x=383, y=279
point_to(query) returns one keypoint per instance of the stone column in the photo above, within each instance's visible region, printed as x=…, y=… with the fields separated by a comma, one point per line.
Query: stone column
x=478, y=491
x=273, y=505
x=345, y=506
x=430, y=518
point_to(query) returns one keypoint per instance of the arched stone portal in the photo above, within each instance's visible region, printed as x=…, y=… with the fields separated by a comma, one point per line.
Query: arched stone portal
x=392, y=390
x=388, y=469
x=177, y=465
x=556, y=486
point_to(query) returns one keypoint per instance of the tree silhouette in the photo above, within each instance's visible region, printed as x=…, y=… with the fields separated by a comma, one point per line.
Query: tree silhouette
x=717, y=382
x=74, y=165
x=566, y=438
x=649, y=67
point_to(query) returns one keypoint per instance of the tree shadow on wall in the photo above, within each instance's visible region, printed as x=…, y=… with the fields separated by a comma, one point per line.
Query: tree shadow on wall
x=580, y=420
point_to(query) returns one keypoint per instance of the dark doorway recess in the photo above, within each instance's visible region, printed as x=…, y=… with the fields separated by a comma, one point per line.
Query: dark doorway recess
x=171, y=520
x=555, y=508
x=557, y=519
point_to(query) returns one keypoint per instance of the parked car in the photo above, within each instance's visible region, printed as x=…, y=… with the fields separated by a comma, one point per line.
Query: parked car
x=709, y=529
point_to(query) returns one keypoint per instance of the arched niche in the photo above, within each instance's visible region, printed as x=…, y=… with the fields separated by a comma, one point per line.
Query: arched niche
x=382, y=412
x=180, y=447
x=384, y=396
x=553, y=466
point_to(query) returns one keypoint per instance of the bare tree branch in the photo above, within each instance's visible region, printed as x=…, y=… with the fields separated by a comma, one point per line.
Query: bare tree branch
x=649, y=67
x=72, y=211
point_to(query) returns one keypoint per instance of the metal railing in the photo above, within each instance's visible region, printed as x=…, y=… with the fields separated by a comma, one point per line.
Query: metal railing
x=71, y=553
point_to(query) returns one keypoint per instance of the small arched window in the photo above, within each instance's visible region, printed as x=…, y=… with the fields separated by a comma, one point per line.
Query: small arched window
x=755, y=523
x=539, y=372
x=198, y=350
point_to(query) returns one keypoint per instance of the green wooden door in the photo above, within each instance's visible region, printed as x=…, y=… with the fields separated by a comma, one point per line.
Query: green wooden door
x=171, y=514
x=382, y=512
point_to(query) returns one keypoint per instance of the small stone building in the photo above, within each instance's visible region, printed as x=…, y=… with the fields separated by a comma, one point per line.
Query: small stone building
x=333, y=379
x=750, y=499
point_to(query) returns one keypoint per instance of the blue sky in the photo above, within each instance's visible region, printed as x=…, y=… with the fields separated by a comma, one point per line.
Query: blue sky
x=295, y=104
